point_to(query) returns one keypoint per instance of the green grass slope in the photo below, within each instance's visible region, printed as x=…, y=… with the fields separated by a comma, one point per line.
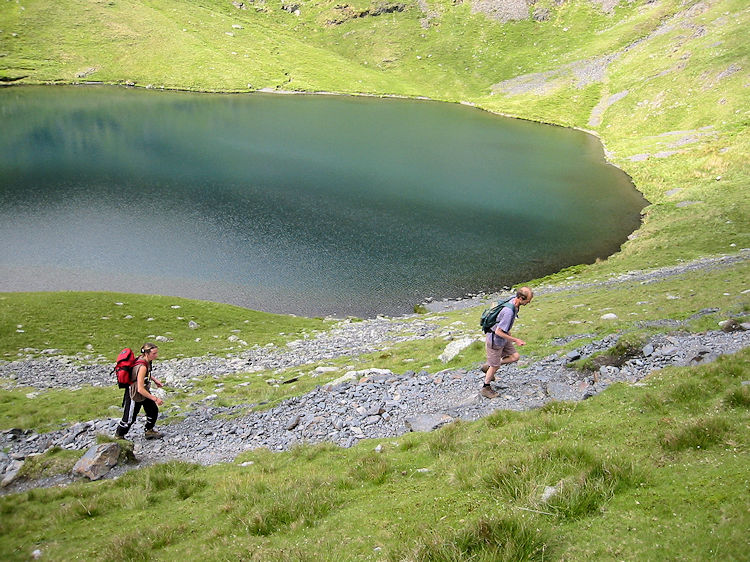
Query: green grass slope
x=663, y=84
x=98, y=325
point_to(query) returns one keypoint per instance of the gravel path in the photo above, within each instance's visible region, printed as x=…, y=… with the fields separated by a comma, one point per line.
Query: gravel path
x=370, y=404
x=375, y=404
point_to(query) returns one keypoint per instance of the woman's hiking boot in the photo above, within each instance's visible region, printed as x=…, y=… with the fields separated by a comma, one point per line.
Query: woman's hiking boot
x=153, y=434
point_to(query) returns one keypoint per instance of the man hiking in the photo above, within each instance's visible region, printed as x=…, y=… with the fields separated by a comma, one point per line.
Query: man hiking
x=499, y=344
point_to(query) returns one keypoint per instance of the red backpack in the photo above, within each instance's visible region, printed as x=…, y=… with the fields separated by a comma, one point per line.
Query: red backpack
x=124, y=367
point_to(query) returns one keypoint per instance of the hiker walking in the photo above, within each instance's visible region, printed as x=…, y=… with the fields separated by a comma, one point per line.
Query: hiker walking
x=499, y=344
x=139, y=395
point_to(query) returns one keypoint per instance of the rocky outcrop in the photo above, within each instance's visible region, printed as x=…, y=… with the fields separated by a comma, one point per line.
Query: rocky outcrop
x=502, y=10
x=11, y=472
x=578, y=74
x=345, y=12
x=97, y=461
x=517, y=10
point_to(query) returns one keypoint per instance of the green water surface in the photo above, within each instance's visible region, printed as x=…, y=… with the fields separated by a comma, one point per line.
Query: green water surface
x=306, y=204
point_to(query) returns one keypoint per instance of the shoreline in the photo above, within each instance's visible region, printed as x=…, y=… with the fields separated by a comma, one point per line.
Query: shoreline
x=644, y=276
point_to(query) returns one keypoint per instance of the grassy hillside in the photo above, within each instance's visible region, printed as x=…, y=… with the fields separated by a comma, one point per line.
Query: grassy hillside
x=664, y=86
x=669, y=484
x=98, y=325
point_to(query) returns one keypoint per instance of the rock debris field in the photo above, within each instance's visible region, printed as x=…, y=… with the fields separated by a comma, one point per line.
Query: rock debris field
x=363, y=404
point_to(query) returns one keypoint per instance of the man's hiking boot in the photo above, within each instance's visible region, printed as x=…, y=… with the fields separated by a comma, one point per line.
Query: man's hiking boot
x=487, y=392
x=153, y=434
x=485, y=368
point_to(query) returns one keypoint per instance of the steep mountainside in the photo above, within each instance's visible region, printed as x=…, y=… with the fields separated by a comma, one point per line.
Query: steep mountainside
x=663, y=83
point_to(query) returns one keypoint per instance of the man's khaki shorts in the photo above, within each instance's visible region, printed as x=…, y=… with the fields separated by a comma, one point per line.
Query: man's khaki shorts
x=496, y=354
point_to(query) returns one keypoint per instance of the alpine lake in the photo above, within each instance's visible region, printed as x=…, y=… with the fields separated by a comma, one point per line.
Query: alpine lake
x=307, y=204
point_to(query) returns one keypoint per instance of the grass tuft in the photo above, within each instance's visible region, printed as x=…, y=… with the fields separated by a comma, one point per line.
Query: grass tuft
x=586, y=491
x=296, y=505
x=696, y=434
x=372, y=467
x=514, y=481
x=52, y=462
x=500, y=418
x=129, y=546
x=308, y=452
x=447, y=439
x=738, y=397
x=501, y=539
x=556, y=407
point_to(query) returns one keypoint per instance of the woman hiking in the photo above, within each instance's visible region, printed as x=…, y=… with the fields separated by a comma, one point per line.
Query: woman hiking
x=139, y=394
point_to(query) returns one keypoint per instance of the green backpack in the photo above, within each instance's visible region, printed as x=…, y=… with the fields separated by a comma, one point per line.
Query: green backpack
x=489, y=316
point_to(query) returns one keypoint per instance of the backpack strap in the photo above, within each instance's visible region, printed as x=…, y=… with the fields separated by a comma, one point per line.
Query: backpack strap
x=506, y=304
x=145, y=364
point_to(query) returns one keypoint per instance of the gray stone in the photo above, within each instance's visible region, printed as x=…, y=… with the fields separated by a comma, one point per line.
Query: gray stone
x=11, y=472
x=541, y=14
x=701, y=356
x=648, y=350
x=454, y=348
x=97, y=461
x=573, y=356
x=562, y=391
x=427, y=422
x=374, y=410
x=294, y=422
x=608, y=371
x=549, y=491
x=667, y=351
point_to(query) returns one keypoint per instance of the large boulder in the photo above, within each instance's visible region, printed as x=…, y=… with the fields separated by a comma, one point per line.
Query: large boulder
x=11, y=473
x=97, y=461
x=454, y=348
